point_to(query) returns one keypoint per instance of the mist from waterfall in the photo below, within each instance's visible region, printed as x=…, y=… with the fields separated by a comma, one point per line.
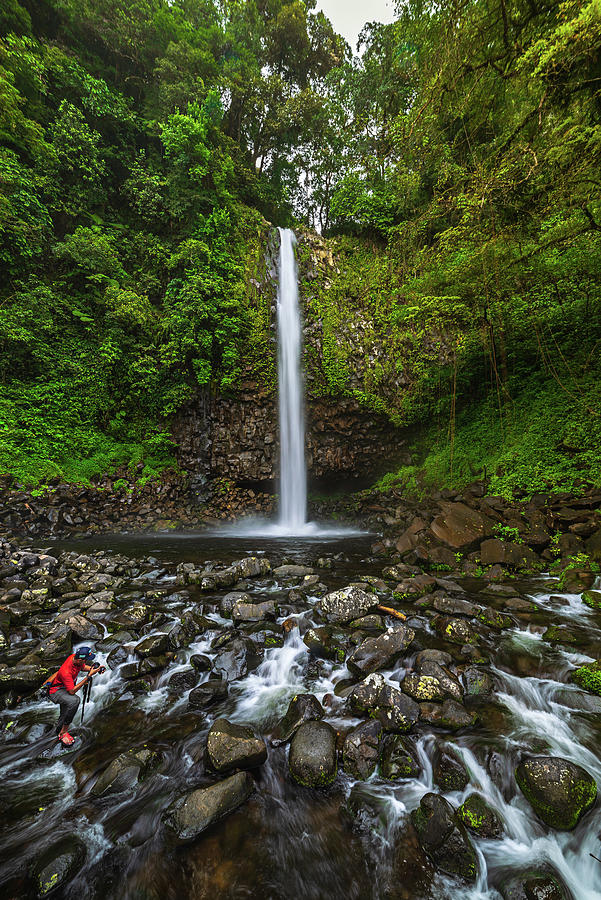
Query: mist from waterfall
x=293, y=469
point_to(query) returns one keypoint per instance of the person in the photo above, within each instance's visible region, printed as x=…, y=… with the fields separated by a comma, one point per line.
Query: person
x=62, y=688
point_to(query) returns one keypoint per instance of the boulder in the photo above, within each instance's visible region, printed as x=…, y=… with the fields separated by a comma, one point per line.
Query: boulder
x=239, y=657
x=534, y=885
x=153, y=645
x=453, y=606
x=254, y=612
x=192, y=814
x=293, y=571
x=380, y=652
x=478, y=684
x=399, y=758
x=444, y=837
x=513, y=555
x=448, y=772
x=457, y=631
x=559, y=791
x=207, y=693
x=592, y=599
x=326, y=642
x=302, y=708
x=232, y=746
x=423, y=687
x=479, y=817
x=229, y=601
x=449, y=685
x=587, y=677
x=58, y=866
x=361, y=749
x=374, y=697
x=340, y=607
x=125, y=771
x=312, y=759
x=461, y=527
x=455, y=716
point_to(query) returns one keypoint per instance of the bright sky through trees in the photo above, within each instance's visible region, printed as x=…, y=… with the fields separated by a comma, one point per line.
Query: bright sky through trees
x=349, y=16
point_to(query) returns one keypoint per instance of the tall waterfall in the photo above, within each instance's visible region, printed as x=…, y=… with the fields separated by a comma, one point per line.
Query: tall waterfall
x=293, y=469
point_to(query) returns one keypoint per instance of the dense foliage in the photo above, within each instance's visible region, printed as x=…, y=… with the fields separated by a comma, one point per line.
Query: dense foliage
x=454, y=163
x=142, y=143
x=470, y=170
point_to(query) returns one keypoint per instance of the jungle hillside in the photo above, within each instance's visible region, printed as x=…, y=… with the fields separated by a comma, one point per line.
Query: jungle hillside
x=450, y=162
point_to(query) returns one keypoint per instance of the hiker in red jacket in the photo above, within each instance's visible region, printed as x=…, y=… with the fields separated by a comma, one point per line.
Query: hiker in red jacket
x=62, y=688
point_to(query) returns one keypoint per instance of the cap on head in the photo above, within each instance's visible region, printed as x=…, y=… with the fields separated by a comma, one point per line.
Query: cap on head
x=85, y=653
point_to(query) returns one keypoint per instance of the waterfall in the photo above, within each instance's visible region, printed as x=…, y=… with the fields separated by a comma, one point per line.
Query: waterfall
x=293, y=469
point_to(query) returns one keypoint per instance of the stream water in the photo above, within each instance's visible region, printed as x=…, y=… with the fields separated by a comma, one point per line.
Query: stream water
x=289, y=841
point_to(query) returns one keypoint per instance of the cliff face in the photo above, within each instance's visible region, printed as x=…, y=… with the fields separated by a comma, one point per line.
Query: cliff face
x=352, y=382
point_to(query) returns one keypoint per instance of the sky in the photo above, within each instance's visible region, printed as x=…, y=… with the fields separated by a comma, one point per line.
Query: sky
x=349, y=16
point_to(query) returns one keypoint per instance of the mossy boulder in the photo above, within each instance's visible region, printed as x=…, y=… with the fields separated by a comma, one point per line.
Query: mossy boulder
x=588, y=677
x=449, y=773
x=559, y=634
x=423, y=687
x=559, y=791
x=592, y=599
x=312, y=760
x=479, y=817
x=58, y=867
x=444, y=838
x=399, y=758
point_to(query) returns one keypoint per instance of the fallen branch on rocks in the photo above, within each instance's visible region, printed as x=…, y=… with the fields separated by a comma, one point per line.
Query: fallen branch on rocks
x=392, y=612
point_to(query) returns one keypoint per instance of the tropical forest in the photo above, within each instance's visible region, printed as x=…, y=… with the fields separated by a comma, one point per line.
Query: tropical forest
x=300, y=450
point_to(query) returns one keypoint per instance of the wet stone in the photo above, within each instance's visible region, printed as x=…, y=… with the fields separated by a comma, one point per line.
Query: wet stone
x=340, y=607
x=444, y=837
x=191, y=815
x=125, y=771
x=54, y=873
x=448, y=772
x=374, y=697
x=455, y=630
x=361, y=749
x=559, y=791
x=302, y=708
x=534, y=885
x=233, y=746
x=479, y=817
x=153, y=645
x=422, y=687
x=455, y=716
x=380, y=652
x=326, y=642
x=478, y=684
x=207, y=693
x=312, y=758
x=254, y=612
x=399, y=758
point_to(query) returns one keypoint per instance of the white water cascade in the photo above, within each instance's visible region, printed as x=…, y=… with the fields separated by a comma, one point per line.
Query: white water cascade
x=293, y=469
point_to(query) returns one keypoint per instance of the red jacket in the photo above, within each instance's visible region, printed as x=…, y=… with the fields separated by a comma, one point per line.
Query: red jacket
x=66, y=675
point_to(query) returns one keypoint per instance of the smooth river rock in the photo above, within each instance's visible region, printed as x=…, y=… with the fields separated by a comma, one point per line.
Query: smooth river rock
x=444, y=837
x=380, y=652
x=312, y=760
x=192, y=814
x=233, y=746
x=559, y=791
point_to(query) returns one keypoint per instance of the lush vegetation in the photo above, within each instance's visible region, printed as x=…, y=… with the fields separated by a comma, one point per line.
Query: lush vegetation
x=468, y=180
x=142, y=145
x=454, y=164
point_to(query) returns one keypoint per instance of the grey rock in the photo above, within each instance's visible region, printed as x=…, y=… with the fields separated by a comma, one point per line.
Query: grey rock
x=347, y=604
x=191, y=815
x=312, y=759
x=380, y=652
x=233, y=746
x=361, y=749
x=302, y=708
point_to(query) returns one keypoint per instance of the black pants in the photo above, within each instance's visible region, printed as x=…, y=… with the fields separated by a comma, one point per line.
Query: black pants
x=68, y=703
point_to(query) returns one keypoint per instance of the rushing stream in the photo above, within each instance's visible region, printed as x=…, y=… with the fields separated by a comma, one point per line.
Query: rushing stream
x=290, y=841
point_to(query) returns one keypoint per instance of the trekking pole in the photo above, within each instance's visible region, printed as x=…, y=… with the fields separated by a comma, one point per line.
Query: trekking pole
x=87, y=690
